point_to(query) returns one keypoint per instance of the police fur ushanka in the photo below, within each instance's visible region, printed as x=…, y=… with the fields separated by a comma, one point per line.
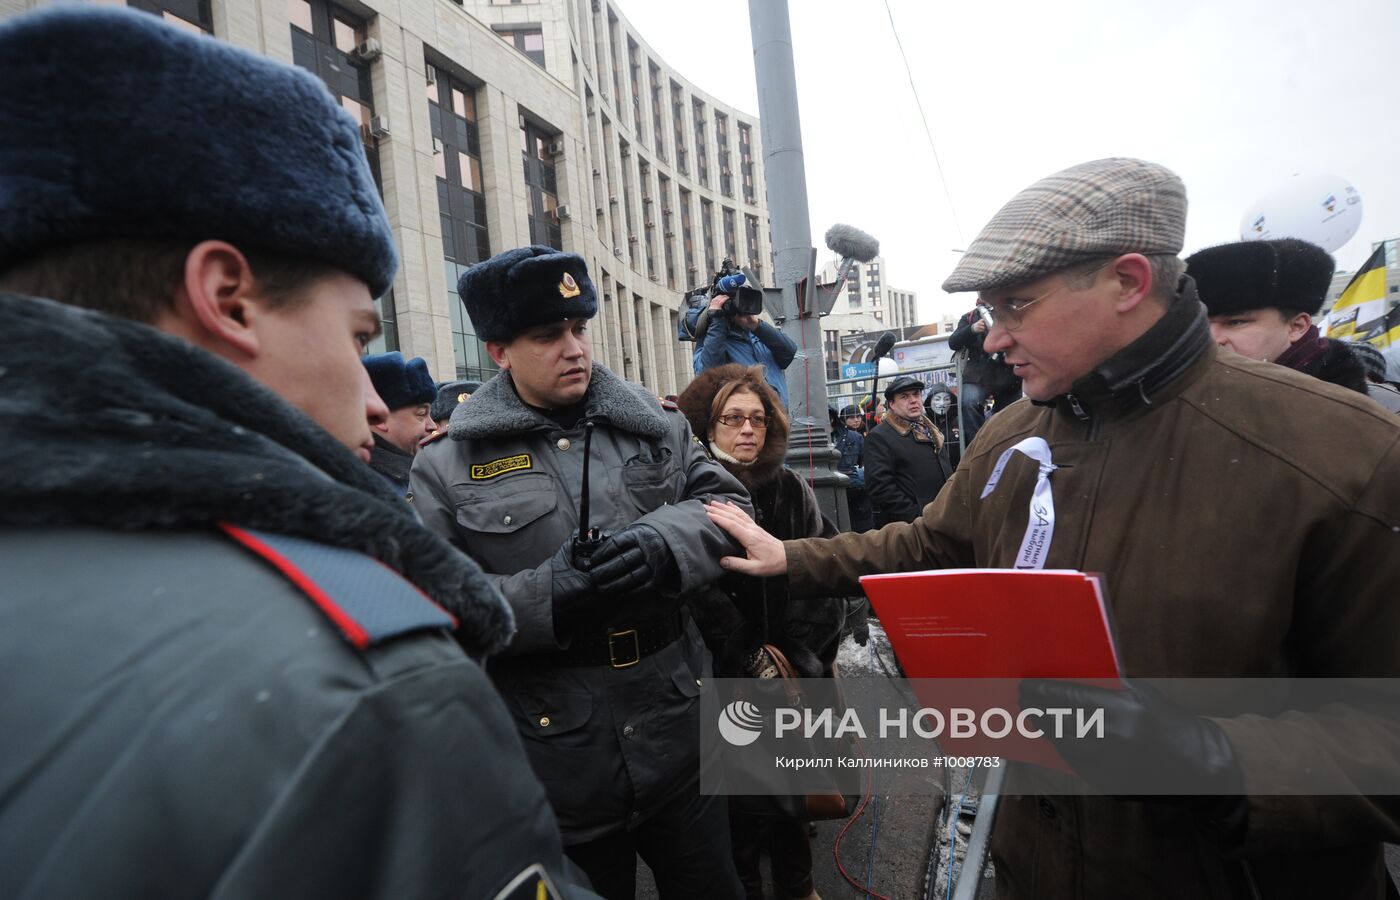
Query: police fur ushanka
x=1289, y=275
x=116, y=124
x=525, y=287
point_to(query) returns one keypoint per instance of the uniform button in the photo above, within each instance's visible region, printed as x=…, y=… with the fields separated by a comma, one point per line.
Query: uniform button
x=699, y=682
x=627, y=730
x=506, y=520
x=562, y=444
x=544, y=721
x=1047, y=809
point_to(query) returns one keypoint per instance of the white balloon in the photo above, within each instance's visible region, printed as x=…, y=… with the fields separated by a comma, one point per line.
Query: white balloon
x=1321, y=209
x=887, y=366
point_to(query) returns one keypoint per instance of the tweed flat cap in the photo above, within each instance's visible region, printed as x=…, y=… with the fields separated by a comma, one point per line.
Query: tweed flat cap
x=116, y=124
x=1094, y=209
x=1285, y=274
x=525, y=287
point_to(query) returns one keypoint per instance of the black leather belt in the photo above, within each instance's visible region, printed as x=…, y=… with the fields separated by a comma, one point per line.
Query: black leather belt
x=622, y=648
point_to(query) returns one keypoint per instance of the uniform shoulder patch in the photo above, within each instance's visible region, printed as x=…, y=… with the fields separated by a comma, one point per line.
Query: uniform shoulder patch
x=368, y=601
x=532, y=884
x=498, y=467
x=670, y=405
x=440, y=433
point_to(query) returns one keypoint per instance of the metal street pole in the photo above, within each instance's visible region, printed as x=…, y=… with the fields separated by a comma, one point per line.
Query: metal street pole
x=794, y=257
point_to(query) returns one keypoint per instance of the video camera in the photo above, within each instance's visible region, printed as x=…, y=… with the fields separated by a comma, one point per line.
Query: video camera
x=730, y=280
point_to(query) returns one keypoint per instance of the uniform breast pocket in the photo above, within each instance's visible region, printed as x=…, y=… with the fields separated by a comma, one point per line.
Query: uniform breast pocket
x=652, y=483
x=493, y=516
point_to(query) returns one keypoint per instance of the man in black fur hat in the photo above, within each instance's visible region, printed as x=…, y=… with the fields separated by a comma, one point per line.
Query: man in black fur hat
x=408, y=391
x=223, y=672
x=605, y=668
x=1261, y=297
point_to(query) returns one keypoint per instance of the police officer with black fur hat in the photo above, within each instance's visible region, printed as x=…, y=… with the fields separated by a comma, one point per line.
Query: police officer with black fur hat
x=223, y=672
x=605, y=670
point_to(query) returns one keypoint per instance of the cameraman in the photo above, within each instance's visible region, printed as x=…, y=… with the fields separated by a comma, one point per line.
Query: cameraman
x=723, y=337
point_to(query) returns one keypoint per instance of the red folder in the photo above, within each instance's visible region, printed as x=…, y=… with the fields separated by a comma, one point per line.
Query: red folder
x=1005, y=624
x=996, y=623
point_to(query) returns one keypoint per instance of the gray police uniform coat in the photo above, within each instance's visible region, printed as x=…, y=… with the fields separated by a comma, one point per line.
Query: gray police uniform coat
x=611, y=745
x=180, y=719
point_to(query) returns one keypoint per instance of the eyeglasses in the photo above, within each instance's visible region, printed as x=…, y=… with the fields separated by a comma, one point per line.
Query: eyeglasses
x=1011, y=312
x=758, y=420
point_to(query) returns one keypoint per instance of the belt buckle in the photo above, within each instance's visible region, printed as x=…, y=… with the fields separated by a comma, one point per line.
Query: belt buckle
x=636, y=649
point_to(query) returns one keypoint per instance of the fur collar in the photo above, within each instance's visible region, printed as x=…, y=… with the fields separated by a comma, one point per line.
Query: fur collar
x=389, y=461
x=107, y=422
x=497, y=409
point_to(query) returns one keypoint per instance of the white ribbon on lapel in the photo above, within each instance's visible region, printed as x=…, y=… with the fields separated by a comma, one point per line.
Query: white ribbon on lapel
x=1040, y=528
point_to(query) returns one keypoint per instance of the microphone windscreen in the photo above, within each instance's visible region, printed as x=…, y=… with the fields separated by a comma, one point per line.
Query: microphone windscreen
x=885, y=344
x=851, y=243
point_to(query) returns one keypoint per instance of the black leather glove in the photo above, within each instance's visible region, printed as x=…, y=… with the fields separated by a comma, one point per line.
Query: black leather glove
x=1148, y=743
x=572, y=592
x=635, y=560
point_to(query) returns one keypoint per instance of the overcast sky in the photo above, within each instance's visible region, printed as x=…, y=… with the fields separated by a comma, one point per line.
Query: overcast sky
x=1235, y=96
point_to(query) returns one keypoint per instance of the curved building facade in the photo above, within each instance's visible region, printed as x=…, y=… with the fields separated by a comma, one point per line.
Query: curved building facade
x=492, y=124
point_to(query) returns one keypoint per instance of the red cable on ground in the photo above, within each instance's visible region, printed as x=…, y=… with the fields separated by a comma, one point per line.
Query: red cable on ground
x=836, y=848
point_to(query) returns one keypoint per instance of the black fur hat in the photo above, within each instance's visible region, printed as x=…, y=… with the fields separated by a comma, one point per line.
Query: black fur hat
x=1289, y=275
x=116, y=124
x=525, y=287
x=400, y=382
x=451, y=393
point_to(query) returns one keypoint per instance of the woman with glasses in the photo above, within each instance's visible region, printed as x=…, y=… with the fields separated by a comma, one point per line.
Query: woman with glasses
x=734, y=412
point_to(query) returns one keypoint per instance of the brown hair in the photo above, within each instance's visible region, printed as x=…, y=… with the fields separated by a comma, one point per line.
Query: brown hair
x=753, y=380
x=137, y=279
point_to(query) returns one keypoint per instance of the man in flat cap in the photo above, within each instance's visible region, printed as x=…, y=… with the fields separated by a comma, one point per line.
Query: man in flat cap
x=1261, y=297
x=906, y=464
x=606, y=667
x=1245, y=520
x=409, y=392
x=223, y=675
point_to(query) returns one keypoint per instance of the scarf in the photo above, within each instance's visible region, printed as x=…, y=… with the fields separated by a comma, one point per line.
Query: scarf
x=922, y=428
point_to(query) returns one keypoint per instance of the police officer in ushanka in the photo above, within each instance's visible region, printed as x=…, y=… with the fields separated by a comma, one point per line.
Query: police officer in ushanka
x=604, y=672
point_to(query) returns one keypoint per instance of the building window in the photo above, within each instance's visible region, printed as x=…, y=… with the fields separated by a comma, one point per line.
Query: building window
x=702, y=168
x=751, y=245
x=678, y=122
x=688, y=239
x=327, y=48
x=529, y=41
x=667, y=227
x=540, y=184
x=192, y=15
x=635, y=68
x=746, y=162
x=461, y=207
x=726, y=175
x=707, y=228
x=731, y=247
x=657, y=122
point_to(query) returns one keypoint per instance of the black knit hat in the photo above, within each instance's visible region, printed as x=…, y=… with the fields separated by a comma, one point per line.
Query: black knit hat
x=522, y=288
x=1289, y=275
x=901, y=384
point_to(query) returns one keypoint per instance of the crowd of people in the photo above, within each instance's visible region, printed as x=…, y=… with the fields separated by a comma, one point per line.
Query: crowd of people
x=288, y=620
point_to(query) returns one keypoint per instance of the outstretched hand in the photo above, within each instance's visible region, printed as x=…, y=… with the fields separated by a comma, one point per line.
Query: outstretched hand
x=766, y=555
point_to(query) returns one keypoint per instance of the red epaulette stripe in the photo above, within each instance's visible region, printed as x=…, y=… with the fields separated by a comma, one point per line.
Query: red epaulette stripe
x=352, y=630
